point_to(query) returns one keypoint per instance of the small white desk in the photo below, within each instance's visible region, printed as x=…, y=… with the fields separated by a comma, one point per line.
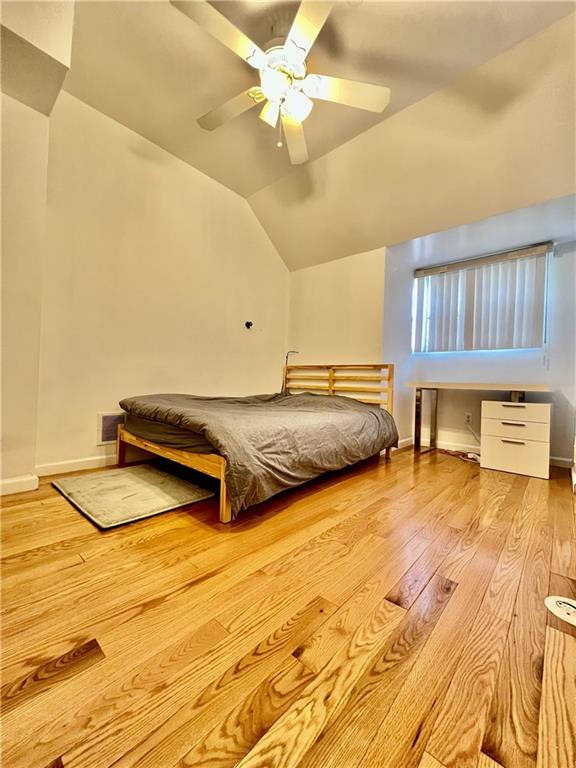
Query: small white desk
x=517, y=393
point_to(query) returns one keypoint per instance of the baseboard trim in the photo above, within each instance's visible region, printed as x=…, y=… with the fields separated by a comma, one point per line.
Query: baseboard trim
x=555, y=461
x=18, y=484
x=72, y=465
x=405, y=443
x=446, y=445
x=461, y=447
x=559, y=461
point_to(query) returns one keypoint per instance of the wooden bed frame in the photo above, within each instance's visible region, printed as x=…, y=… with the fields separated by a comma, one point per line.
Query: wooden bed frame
x=355, y=381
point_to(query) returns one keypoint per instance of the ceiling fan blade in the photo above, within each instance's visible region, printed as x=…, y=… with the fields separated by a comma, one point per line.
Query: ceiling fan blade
x=231, y=108
x=223, y=30
x=374, y=98
x=309, y=20
x=270, y=113
x=295, y=140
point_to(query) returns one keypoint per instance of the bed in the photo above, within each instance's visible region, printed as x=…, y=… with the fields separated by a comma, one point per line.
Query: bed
x=326, y=417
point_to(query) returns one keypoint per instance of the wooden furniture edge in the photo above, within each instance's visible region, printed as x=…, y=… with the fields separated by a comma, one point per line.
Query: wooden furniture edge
x=207, y=463
x=478, y=386
x=333, y=379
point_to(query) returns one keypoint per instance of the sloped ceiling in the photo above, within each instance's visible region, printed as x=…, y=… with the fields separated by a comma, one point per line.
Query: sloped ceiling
x=502, y=138
x=151, y=68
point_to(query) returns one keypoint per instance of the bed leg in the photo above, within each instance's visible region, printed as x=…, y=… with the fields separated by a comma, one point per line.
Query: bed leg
x=225, y=506
x=388, y=453
x=120, y=448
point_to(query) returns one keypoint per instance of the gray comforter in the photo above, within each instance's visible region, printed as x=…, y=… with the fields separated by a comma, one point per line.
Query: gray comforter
x=274, y=442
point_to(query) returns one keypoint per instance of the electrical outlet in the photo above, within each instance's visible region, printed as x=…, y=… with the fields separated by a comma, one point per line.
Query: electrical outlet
x=467, y=418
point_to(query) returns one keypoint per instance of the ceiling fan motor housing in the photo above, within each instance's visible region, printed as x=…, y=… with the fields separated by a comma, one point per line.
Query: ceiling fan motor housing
x=285, y=60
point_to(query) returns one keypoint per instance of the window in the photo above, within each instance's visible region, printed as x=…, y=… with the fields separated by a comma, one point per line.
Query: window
x=493, y=302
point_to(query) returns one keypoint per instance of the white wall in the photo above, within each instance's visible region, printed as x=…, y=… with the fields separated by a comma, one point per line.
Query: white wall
x=554, y=366
x=336, y=310
x=151, y=270
x=24, y=167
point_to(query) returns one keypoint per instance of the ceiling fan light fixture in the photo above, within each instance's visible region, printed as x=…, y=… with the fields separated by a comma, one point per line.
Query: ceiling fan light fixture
x=315, y=87
x=270, y=113
x=296, y=105
x=295, y=57
x=274, y=83
x=284, y=84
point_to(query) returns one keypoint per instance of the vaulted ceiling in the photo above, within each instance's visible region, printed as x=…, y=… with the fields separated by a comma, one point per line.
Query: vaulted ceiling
x=149, y=67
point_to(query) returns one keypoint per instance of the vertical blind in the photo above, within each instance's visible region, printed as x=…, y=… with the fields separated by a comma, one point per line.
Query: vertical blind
x=492, y=302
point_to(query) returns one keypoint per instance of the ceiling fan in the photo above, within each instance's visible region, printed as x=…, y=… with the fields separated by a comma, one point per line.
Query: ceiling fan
x=286, y=91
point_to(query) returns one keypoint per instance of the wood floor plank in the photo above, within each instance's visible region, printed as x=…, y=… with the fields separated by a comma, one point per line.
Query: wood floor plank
x=418, y=702
x=565, y=587
x=317, y=650
x=488, y=511
x=345, y=742
x=415, y=524
x=564, y=520
x=133, y=636
x=173, y=684
x=429, y=762
x=466, y=497
x=56, y=763
x=58, y=620
x=171, y=737
x=409, y=586
x=240, y=730
x=288, y=740
x=91, y=711
x=501, y=593
x=19, y=539
x=212, y=635
x=202, y=573
x=229, y=741
x=511, y=736
x=557, y=728
x=487, y=762
x=19, y=570
x=50, y=672
x=458, y=731
x=160, y=552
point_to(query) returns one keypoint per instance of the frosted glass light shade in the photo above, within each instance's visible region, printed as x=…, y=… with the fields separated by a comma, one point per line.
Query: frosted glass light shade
x=297, y=105
x=274, y=84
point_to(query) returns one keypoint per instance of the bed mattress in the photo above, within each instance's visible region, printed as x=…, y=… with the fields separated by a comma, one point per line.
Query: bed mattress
x=273, y=442
x=169, y=435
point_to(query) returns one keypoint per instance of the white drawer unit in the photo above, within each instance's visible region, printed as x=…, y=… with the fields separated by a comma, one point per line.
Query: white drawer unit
x=516, y=429
x=495, y=409
x=515, y=437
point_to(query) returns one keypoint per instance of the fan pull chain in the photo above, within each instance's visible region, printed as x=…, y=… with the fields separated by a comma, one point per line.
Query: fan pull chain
x=279, y=142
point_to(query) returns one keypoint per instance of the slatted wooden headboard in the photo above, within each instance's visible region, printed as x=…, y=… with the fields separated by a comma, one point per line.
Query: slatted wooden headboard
x=367, y=383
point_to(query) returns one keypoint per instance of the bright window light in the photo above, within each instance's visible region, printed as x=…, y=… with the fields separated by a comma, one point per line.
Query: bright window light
x=490, y=303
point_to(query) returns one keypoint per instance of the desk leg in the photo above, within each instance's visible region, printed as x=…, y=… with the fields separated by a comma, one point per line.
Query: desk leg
x=433, y=417
x=418, y=419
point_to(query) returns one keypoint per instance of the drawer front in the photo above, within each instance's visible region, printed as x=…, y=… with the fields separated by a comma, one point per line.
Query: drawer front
x=518, y=430
x=524, y=457
x=496, y=409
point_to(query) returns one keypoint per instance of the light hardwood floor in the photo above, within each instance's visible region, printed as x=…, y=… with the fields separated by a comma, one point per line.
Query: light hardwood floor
x=387, y=616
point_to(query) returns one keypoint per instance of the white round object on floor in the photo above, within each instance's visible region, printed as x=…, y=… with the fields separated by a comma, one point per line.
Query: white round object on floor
x=562, y=607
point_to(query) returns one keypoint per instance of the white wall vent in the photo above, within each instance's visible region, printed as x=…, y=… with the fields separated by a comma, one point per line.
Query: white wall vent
x=108, y=426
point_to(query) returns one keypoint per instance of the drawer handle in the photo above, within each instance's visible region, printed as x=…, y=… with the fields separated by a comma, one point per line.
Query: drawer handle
x=513, y=423
x=514, y=442
x=513, y=405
